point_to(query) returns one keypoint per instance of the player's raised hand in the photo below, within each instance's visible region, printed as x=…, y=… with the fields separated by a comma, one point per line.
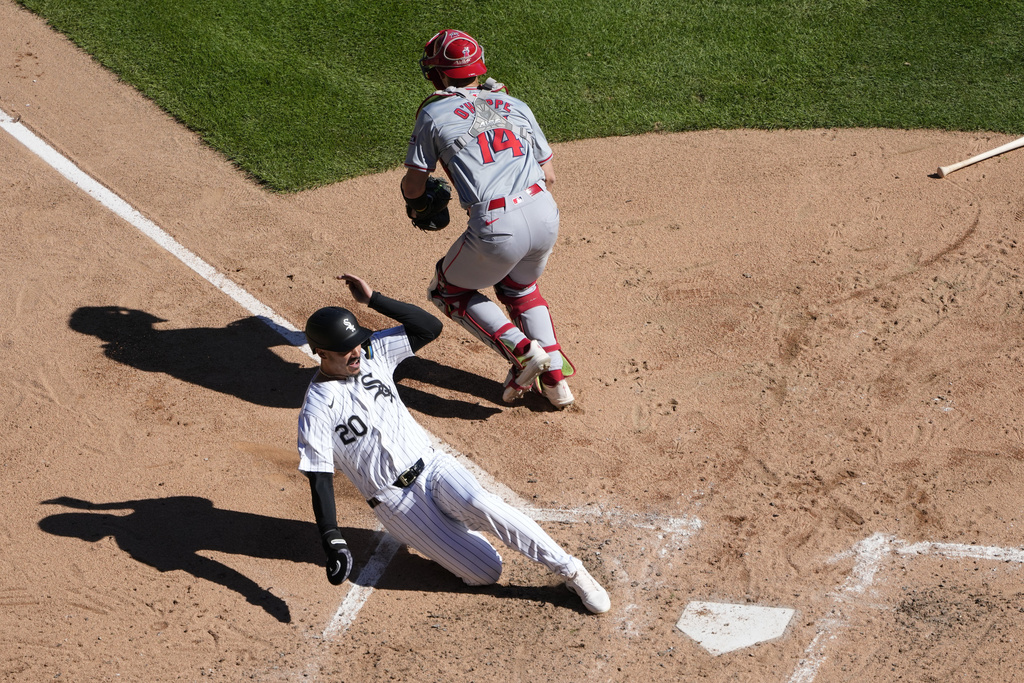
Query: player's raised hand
x=361, y=291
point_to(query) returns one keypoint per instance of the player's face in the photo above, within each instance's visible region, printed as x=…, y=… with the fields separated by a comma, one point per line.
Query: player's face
x=339, y=364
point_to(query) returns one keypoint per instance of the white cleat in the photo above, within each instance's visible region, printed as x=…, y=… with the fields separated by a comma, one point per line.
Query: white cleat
x=594, y=597
x=511, y=392
x=559, y=394
x=535, y=361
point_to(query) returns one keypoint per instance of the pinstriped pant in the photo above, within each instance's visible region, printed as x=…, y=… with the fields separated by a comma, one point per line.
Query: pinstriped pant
x=442, y=513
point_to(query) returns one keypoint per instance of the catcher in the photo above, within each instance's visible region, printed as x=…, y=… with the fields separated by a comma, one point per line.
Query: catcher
x=491, y=147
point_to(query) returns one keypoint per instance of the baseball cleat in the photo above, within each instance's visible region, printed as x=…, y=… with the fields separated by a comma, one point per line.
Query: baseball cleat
x=594, y=597
x=535, y=361
x=511, y=392
x=559, y=394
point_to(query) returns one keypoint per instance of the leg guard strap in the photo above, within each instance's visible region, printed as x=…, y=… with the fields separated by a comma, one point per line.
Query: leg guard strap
x=454, y=303
x=520, y=303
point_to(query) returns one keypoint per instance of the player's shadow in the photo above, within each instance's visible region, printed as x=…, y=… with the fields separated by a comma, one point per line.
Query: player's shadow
x=234, y=360
x=445, y=377
x=169, y=533
x=431, y=372
x=432, y=577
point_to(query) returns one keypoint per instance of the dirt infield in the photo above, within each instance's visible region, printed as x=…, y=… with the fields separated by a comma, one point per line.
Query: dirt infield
x=800, y=360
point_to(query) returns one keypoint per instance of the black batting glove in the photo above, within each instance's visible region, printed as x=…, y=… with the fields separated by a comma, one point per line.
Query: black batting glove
x=339, y=559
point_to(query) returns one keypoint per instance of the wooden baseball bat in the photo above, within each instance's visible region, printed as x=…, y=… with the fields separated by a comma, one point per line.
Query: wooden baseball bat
x=946, y=170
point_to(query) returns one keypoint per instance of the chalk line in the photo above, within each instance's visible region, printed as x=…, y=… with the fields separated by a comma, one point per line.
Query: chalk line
x=870, y=553
x=386, y=549
x=121, y=208
x=360, y=590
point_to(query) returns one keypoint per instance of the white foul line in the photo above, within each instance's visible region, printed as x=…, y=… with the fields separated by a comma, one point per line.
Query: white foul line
x=386, y=549
x=94, y=189
x=359, y=594
x=870, y=554
x=974, y=552
x=375, y=567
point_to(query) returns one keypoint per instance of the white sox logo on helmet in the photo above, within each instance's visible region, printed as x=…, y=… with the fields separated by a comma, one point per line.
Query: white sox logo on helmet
x=349, y=326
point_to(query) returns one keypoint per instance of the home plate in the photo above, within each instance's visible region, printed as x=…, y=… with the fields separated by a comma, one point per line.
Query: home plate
x=721, y=628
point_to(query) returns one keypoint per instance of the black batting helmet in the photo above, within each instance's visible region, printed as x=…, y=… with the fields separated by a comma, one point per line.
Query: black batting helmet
x=335, y=329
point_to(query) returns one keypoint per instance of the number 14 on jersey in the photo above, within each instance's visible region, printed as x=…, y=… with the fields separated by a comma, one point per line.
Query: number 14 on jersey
x=503, y=139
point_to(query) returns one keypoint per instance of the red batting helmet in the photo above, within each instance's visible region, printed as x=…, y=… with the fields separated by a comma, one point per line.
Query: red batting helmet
x=455, y=53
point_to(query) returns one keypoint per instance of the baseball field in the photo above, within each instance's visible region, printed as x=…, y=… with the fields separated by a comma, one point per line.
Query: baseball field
x=799, y=351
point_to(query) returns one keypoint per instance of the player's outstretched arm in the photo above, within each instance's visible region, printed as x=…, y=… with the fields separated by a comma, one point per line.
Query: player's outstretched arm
x=339, y=559
x=421, y=327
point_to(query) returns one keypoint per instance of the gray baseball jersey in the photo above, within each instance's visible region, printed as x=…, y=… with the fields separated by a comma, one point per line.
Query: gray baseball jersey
x=490, y=158
x=360, y=425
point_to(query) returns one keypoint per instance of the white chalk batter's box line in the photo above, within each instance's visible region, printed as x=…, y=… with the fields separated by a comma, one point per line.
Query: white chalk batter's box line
x=682, y=529
x=385, y=551
x=870, y=554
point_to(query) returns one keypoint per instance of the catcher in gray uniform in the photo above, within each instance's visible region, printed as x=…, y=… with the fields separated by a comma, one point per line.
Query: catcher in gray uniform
x=494, y=152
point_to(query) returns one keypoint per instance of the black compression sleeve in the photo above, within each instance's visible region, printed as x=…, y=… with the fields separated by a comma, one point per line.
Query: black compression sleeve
x=321, y=485
x=421, y=327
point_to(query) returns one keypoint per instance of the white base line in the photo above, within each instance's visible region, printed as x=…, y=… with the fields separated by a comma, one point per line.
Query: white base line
x=94, y=189
x=870, y=554
x=386, y=549
x=359, y=594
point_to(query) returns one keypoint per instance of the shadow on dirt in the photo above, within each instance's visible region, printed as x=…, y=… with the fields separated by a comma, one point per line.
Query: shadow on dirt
x=237, y=360
x=409, y=571
x=168, y=533
x=453, y=379
x=234, y=360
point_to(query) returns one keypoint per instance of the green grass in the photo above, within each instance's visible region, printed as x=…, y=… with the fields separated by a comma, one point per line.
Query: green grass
x=305, y=93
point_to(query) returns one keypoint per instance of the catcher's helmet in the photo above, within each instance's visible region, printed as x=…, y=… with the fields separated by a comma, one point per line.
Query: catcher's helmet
x=335, y=329
x=455, y=53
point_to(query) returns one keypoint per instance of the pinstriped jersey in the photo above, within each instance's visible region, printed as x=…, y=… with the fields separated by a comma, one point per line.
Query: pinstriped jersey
x=496, y=163
x=360, y=424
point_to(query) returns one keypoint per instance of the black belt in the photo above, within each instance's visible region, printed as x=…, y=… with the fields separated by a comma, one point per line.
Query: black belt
x=405, y=479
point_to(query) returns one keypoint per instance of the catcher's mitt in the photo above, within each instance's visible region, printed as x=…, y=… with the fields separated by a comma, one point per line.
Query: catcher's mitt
x=430, y=210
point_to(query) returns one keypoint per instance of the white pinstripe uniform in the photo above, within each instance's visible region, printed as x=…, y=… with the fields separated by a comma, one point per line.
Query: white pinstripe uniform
x=361, y=426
